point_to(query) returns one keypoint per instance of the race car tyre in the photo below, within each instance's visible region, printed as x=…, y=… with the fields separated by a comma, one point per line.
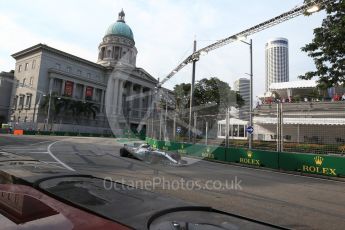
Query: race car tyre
x=123, y=152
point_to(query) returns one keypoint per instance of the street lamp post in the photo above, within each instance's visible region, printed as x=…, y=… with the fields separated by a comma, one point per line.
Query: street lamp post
x=251, y=94
x=166, y=116
x=192, y=95
x=36, y=108
x=48, y=114
x=250, y=43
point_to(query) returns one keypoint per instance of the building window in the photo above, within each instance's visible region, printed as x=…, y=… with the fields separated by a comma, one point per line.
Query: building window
x=26, y=66
x=98, y=95
x=33, y=64
x=20, y=68
x=15, y=102
x=24, y=80
x=21, y=101
x=31, y=80
x=102, y=53
x=57, y=84
x=28, y=101
x=79, y=72
x=69, y=69
x=79, y=91
x=117, y=52
x=89, y=75
x=58, y=66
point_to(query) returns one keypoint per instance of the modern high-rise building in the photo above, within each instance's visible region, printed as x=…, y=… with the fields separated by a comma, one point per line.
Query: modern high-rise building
x=277, y=61
x=242, y=86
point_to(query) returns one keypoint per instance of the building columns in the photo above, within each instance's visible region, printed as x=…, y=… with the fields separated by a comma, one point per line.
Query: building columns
x=121, y=83
x=115, y=95
x=84, y=92
x=93, y=94
x=51, y=82
x=131, y=88
x=150, y=98
x=74, y=89
x=117, y=88
x=141, y=97
x=63, y=87
x=102, y=100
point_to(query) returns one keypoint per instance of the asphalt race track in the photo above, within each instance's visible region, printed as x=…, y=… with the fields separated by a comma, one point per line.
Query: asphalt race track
x=291, y=201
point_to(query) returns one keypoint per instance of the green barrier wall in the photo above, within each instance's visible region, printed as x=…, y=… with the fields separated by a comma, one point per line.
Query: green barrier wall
x=207, y=151
x=4, y=130
x=313, y=163
x=170, y=146
x=61, y=133
x=151, y=142
x=211, y=152
x=182, y=148
x=306, y=163
x=253, y=157
x=29, y=132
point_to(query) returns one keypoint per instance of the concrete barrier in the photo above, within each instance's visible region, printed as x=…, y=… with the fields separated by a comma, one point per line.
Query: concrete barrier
x=18, y=132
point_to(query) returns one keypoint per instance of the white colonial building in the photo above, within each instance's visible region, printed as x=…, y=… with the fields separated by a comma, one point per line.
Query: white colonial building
x=114, y=85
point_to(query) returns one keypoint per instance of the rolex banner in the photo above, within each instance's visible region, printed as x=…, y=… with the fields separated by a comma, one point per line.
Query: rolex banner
x=258, y=158
x=321, y=164
x=68, y=88
x=313, y=163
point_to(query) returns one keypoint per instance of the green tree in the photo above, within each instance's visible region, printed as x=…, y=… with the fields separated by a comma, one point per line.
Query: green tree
x=2, y=120
x=83, y=109
x=182, y=96
x=62, y=106
x=212, y=93
x=328, y=46
x=57, y=105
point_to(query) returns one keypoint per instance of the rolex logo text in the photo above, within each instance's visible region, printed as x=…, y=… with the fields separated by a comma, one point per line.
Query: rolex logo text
x=317, y=167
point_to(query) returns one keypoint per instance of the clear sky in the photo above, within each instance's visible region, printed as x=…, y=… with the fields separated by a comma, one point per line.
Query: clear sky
x=163, y=31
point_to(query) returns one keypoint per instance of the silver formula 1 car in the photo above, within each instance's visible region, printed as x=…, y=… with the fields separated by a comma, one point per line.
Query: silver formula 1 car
x=146, y=153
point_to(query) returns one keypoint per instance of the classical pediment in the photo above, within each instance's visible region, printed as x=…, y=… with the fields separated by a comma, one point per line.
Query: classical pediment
x=141, y=73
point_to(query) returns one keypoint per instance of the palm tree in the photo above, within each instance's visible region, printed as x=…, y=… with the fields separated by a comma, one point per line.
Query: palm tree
x=91, y=109
x=2, y=120
x=62, y=106
x=57, y=105
x=86, y=109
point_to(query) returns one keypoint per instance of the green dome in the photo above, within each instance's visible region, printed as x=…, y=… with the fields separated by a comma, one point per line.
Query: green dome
x=120, y=28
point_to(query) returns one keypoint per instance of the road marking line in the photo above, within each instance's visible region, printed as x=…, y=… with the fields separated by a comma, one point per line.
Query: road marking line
x=40, y=142
x=57, y=159
x=56, y=164
x=37, y=152
x=18, y=149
